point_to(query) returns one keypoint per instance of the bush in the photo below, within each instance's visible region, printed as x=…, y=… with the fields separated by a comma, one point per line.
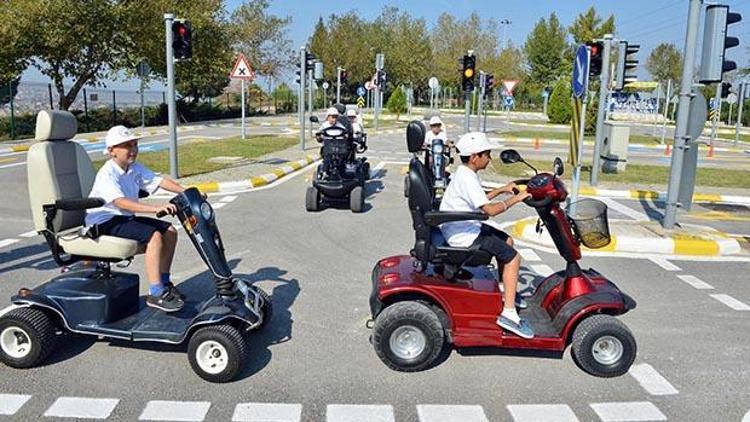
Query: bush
x=559, y=109
x=397, y=102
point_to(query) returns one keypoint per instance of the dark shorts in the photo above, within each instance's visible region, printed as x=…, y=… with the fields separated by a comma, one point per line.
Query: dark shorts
x=136, y=228
x=495, y=242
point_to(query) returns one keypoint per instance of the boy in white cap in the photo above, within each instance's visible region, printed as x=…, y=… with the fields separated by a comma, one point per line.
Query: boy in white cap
x=356, y=126
x=118, y=182
x=465, y=193
x=436, y=132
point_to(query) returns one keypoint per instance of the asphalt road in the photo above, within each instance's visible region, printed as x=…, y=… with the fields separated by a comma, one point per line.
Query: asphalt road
x=315, y=363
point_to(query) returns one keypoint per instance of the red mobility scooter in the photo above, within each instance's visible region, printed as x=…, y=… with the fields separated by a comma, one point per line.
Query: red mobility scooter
x=421, y=303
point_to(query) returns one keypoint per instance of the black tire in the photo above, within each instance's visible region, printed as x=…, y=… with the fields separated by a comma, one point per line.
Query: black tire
x=413, y=316
x=205, y=341
x=26, y=326
x=312, y=199
x=366, y=171
x=357, y=199
x=606, y=331
x=406, y=186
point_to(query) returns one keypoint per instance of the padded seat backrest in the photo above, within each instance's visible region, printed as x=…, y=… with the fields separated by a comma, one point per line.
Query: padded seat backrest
x=420, y=202
x=58, y=168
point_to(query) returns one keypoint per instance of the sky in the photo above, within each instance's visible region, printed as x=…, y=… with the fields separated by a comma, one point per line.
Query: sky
x=644, y=22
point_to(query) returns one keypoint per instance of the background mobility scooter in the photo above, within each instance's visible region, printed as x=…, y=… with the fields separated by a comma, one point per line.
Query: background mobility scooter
x=101, y=302
x=416, y=311
x=437, y=158
x=342, y=175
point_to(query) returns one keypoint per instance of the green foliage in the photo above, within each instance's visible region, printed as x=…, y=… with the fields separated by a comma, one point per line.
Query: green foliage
x=559, y=108
x=263, y=38
x=665, y=63
x=544, y=49
x=589, y=26
x=397, y=102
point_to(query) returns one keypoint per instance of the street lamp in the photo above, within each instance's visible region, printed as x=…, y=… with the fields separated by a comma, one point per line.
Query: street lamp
x=505, y=24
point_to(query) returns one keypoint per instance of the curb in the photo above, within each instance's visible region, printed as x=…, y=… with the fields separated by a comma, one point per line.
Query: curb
x=676, y=244
x=256, y=181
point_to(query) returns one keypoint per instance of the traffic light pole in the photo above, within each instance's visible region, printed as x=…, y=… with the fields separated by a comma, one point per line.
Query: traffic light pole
x=681, y=139
x=717, y=113
x=338, y=85
x=301, y=99
x=601, y=111
x=480, y=101
x=739, y=112
x=310, y=105
x=467, y=111
x=171, y=106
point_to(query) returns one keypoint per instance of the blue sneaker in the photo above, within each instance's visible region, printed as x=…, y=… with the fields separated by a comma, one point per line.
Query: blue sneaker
x=521, y=328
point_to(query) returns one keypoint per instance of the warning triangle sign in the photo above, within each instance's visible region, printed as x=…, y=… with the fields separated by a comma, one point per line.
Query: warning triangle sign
x=242, y=69
x=509, y=85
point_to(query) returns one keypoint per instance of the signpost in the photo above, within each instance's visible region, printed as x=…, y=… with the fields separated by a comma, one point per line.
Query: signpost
x=509, y=101
x=143, y=70
x=434, y=84
x=243, y=72
x=580, y=87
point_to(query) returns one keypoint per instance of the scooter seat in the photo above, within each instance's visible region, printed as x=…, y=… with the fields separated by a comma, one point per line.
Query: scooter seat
x=437, y=238
x=111, y=247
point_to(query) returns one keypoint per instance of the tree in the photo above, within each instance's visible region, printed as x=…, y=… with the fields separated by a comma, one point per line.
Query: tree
x=397, y=102
x=559, y=109
x=589, y=26
x=15, y=21
x=665, y=63
x=544, y=49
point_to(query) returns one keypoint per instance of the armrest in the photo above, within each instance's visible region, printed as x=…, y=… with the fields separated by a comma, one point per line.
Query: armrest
x=78, y=204
x=435, y=218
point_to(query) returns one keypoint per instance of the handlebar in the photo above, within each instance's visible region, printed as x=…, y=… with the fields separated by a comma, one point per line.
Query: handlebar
x=541, y=203
x=161, y=214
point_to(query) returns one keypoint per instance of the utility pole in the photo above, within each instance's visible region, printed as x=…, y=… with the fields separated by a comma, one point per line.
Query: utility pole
x=480, y=101
x=338, y=85
x=171, y=106
x=743, y=86
x=301, y=98
x=601, y=112
x=680, y=138
x=717, y=113
x=310, y=104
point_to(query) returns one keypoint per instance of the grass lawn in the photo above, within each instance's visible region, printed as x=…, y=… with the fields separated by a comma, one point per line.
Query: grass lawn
x=730, y=137
x=635, y=174
x=546, y=134
x=193, y=156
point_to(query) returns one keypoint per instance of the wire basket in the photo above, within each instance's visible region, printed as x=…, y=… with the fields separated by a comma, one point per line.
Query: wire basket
x=590, y=222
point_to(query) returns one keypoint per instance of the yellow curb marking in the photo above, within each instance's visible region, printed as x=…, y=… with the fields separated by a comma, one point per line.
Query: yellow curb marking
x=587, y=191
x=706, y=197
x=685, y=244
x=258, y=181
x=644, y=194
x=295, y=165
x=519, y=227
x=207, y=186
x=5, y=160
x=718, y=216
x=279, y=172
x=19, y=148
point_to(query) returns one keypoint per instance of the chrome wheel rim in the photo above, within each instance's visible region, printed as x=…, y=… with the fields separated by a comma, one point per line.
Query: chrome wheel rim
x=15, y=342
x=407, y=342
x=607, y=350
x=212, y=357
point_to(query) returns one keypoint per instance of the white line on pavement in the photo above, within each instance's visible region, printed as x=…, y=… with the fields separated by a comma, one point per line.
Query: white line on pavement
x=731, y=302
x=542, y=413
x=218, y=205
x=651, y=380
x=158, y=410
x=359, y=413
x=695, y=282
x=529, y=255
x=624, y=209
x=628, y=411
x=11, y=403
x=228, y=198
x=81, y=408
x=451, y=413
x=267, y=412
x=28, y=234
x=542, y=269
x=12, y=165
x=7, y=242
x=746, y=418
x=665, y=264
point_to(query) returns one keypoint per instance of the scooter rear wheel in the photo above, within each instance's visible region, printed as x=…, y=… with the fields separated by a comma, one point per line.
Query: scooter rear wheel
x=27, y=337
x=357, y=199
x=406, y=186
x=603, y=346
x=408, y=336
x=312, y=199
x=217, y=353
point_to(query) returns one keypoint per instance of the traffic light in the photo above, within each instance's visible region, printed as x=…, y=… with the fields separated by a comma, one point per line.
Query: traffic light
x=318, y=71
x=344, y=76
x=309, y=61
x=597, y=50
x=470, y=64
x=489, y=83
x=715, y=43
x=725, y=89
x=626, y=65
x=381, y=77
x=182, y=39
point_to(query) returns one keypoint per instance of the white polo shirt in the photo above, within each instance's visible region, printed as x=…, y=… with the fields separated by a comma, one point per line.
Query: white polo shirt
x=430, y=135
x=464, y=193
x=112, y=182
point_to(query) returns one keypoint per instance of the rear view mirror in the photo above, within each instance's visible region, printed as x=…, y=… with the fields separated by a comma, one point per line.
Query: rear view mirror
x=510, y=156
x=415, y=136
x=314, y=119
x=558, y=166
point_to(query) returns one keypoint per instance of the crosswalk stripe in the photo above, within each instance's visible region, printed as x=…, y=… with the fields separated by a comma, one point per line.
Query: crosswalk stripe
x=158, y=410
x=31, y=233
x=7, y=242
x=11, y=403
x=628, y=411
x=229, y=198
x=451, y=413
x=651, y=380
x=359, y=413
x=529, y=255
x=695, y=282
x=542, y=413
x=542, y=269
x=219, y=205
x=731, y=302
x=267, y=412
x=81, y=408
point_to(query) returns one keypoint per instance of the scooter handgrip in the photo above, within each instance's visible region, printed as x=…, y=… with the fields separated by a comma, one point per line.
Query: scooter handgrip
x=541, y=203
x=161, y=214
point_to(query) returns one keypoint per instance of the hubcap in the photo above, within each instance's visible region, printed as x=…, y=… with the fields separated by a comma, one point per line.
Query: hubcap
x=407, y=342
x=607, y=350
x=212, y=357
x=15, y=342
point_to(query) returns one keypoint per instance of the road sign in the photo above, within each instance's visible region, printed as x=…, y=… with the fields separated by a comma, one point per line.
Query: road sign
x=509, y=101
x=360, y=102
x=325, y=85
x=581, y=71
x=242, y=69
x=575, y=133
x=697, y=116
x=509, y=86
x=433, y=83
x=361, y=91
x=142, y=69
x=732, y=98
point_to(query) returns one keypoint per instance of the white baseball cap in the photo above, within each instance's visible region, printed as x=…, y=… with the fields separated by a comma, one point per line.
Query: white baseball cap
x=473, y=143
x=118, y=135
x=351, y=112
x=332, y=112
x=435, y=120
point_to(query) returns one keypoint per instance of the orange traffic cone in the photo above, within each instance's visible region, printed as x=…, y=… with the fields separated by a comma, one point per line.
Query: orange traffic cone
x=710, y=151
x=536, y=144
x=668, y=150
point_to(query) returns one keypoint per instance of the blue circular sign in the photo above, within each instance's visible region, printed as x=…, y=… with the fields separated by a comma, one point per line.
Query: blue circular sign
x=581, y=71
x=361, y=91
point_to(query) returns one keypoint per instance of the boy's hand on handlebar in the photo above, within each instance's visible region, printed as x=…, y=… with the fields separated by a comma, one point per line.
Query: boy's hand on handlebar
x=521, y=196
x=170, y=209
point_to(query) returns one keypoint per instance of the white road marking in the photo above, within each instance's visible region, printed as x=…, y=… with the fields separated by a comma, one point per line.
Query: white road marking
x=359, y=413
x=628, y=411
x=218, y=205
x=13, y=165
x=81, y=408
x=11, y=403
x=542, y=413
x=624, y=209
x=451, y=413
x=731, y=302
x=651, y=380
x=746, y=418
x=267, y=412
x=7, y=242
x=158, y=410
x=695, y=282
x=228, y=198
x=665, y=264
x=542, y=269
x=28, y=234
x=529, y=255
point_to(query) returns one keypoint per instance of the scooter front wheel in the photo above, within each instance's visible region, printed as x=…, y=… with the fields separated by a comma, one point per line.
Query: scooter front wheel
x=312, y=199
x=27, y=337
x=217, y=353
x=408, y=336
x=603, y=346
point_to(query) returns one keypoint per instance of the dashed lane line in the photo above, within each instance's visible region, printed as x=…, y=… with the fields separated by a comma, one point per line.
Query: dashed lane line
x=731, y=302
x=28, y=234
x=11, y=403
x=228, y=198
x=359, y=413
x=447, y=413
x=529, y=255
x=267, y=412
x=628, y=411
x=665, y=264
x=7, y=242
x=651, y=380
x=695, y=282
x=542, y=269
x=542, y=413
x=81, y=408
x=158, y=410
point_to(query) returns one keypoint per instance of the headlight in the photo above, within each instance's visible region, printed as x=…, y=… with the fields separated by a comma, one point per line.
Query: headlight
x=334, y=132
x=206, y=211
